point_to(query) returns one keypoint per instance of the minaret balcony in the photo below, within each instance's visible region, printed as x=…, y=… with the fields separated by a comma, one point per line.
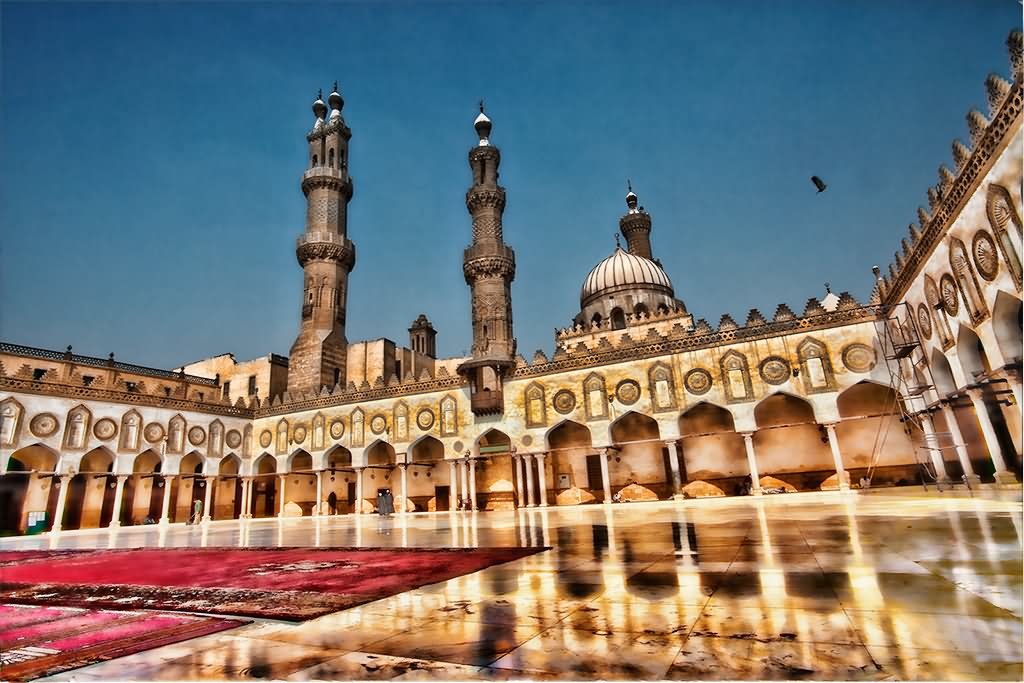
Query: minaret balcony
x=327, y=176
x=325, y=245
x=488, y=260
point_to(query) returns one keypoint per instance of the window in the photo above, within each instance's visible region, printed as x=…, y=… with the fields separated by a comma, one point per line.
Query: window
x=252, y=385
x=618, y=319
x=337, y=375
x=87, y=380
x=315, y=160
x=398, y=368
x=200, y=395
x=167, y=391
x=37, y=373
x=330, y=158
x=130, y=386
x=226, y=390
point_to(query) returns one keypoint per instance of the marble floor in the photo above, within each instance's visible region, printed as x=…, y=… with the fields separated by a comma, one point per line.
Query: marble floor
x=900, y=585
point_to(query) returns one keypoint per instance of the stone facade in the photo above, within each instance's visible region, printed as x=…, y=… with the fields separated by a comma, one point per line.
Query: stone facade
x=921, y=383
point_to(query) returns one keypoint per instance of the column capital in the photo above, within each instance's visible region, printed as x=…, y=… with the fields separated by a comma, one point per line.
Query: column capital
x=747, y=435
x=402, y=465
x=975, y=393
x=830, y=425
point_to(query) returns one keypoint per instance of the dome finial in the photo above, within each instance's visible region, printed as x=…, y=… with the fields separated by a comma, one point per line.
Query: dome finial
x=617, y=244
x=483, y=126
x=828, y=288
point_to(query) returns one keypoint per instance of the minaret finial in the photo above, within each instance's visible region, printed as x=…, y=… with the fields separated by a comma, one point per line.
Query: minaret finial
x=617, y=245
x=629, y=185
x=483, y=126
x=320, y=93
x=481, y=106
x=828, y=288
x=335, y=86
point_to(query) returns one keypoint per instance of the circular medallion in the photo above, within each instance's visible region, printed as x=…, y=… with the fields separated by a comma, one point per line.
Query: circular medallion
x=859, y=357
x=105, y=429
x=378, y=423
x=924, y=321
x=196, y=436
x=628, y=392
x=950, y=298
x=299, y=434
x=774, y=370
x=457, y=446
x=985, y=259
x=564, y=401
x=233, y=438
x=153, y=432
x=527, y=440
x=698, y=381
x=43, y=424
x=266, y=436
x=425, y=419
x=931, y=291
x=337, y=429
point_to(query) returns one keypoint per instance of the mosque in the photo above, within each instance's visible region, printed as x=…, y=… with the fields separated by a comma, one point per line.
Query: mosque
x=921, y=384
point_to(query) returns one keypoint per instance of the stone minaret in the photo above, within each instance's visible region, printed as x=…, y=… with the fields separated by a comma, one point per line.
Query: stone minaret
x=325, y=253
x=635, y=226
x=489, y=266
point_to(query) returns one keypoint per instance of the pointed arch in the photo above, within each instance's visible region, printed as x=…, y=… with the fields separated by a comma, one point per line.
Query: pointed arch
x=967, y=281
x=867, y=398
x=662, y=387
x=735, y=372
x=493, y=441
x=265, y=464
x=131, y=431
x=633, y=426
x=247, y=441
x=38, y=457
x=706, y=417
x=449, y=416
x=99, y=460
x=782, y=408
x=426, y=449
x=319, y=427
x=939, y=315
x=942, y=373
x=148, y=461
x=1007, y=316
x=299, y=461
x=76, y=428
x=192, y=463
x=11, y=416
x=568, y=433
x=971, y=353
x=816, y=366
x=380, y=453
x=230, y=464
x=338, y=457
x=535, y=403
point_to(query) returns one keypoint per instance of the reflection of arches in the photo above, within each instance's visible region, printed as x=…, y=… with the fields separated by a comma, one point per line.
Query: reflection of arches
x=642, y=458
x=789, y=445
x=967, y=281
x=712, y=451
x=1006, y=325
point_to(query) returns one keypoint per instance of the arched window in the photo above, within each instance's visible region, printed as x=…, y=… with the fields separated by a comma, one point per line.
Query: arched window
x=341, y=160
x=641, y=309
x=618, y=319
x=596, y=320
x=662, y=309
x=315, y=161
x=967, y=282
x=330, y=158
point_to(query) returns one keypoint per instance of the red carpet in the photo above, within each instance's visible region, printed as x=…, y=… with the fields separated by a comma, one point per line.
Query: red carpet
x=293, y=584
x=40, y=641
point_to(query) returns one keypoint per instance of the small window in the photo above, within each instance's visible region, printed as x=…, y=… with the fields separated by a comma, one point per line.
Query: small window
x=130, y=386
x=330, y=158
x=252, y=385
x=337, y=375
x=227, y=390
x=37, y=373
x=167, y=392
x=87, y=380
x=201, y=395
x=618, y=319
x=315, y=161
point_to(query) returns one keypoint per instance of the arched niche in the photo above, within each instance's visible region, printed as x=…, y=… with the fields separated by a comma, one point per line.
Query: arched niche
x=712, y=451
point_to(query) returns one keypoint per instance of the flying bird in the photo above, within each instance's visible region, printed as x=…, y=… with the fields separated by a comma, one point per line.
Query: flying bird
x=818, y=183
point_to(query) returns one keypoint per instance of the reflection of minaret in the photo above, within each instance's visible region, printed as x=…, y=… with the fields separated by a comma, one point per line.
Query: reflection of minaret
x=325, y=253
x=636, y=226
x=489, y=267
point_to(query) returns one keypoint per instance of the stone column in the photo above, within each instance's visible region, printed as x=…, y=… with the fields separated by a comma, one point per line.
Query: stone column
x=516, y=486
x=673, y=464
x=405, y=485
x=748, y=441
x=472, y=483
x=932, y=444
x=606, y=481
x=243, y=512
x=319, y=492
x=464, y=467
x=521, y=492
x=991, y=441
x=837, y=456
x=62, y=499
x=530, y=495
x=207, y=513
x=453, y=486
x=166, y=505
x=953, y=426
x=282, y=480
x=358, y=502
x=542, y=479
x=115, y=519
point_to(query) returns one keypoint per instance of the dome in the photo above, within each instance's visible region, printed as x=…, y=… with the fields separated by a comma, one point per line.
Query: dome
x=623, y=270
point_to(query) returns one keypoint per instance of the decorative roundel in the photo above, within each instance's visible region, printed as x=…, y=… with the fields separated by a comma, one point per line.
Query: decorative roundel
x=425, y=419
x=104, y=429
x=337, y=429
x=378, y=424
x=233, y=438
x=299, y=434
x=698, y=381
x=196, y=436
x=628, y=392
x=43, y=424
x=924, y=321
x=774, y=370
x=458, y=446
x=153, y=432
x=527, y=440
x=266, y=437
x=985, y=258
x=859, y=357
x=564, y=401
x=950, y=297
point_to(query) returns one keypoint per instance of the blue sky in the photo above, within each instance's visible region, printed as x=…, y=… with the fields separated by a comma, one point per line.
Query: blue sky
x=151, y=155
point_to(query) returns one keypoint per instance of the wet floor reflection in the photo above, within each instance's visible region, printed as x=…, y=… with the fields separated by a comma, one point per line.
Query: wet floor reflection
x=842, y=587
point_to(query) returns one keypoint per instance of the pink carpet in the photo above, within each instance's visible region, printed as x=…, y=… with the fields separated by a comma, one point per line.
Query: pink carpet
x=292, y=584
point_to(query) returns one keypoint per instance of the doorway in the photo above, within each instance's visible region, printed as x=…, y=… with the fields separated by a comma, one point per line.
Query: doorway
x=442, y=501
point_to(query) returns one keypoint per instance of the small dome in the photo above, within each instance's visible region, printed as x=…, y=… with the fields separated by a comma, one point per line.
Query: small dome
x=482, y=125
x=335, y=100
x=319, y=108
x=623, y=270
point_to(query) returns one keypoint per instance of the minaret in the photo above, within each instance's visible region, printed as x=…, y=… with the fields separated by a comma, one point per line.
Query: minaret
x=489, y=266
x=325, y=253
x=636, y=226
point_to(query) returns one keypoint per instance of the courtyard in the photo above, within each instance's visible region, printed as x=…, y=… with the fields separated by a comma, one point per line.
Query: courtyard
x=895, y=584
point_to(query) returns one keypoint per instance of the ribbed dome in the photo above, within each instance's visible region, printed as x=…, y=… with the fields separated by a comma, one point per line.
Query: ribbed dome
x=623, y=270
